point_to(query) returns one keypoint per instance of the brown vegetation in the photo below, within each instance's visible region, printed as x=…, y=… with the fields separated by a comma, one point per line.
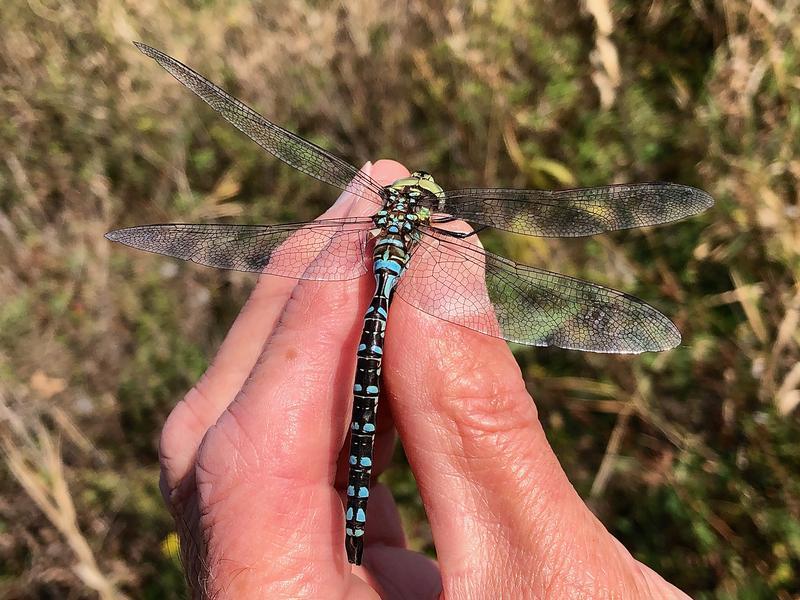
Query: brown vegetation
x=689, y=457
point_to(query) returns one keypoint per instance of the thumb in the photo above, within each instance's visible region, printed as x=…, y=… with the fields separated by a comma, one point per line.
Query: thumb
x=504, y=515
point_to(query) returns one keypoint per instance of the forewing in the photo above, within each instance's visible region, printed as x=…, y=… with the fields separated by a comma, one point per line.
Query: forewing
x=285, y=145
x=575, y=212
x=330, y=250
x=458, y=282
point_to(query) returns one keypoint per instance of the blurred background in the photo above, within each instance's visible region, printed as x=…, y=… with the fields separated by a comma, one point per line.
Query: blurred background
x=691, y=457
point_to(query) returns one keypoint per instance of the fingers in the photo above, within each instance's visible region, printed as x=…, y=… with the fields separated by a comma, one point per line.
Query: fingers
x=496, y=497
x=269, y=461
x=216, y=389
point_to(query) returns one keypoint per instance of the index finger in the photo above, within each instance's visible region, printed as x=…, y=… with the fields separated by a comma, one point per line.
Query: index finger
x=266, y=468
x=191, y=418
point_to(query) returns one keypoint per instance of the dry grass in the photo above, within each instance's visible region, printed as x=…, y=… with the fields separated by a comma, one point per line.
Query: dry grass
x=34, y=460
x=689, y=457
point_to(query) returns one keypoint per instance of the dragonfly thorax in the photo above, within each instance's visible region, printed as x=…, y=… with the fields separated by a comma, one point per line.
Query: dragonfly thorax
x=404, y=208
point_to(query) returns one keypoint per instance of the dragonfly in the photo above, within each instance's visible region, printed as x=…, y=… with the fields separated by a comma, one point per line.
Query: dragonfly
x=415, y=256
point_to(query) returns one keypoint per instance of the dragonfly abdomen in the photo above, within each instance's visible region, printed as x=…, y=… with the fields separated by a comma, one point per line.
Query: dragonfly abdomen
x=389, y=263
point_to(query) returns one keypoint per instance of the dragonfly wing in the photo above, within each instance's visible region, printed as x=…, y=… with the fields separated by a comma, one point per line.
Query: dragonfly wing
x=575, y=212
x=458, y=282
x=285, y=145
x=330, y=250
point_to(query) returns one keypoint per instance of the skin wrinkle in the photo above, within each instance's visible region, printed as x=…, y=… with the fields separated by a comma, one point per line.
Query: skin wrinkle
x=308, y=376
x=496, y=445
x=210, y=518
x=200, y=389
x=290, y=508
x=575, y=578
x=266, y=457
x=171, y=448
x=454, y=349
x=650, y=580
x=232, y=413
x=483, y=456
x=284, y=578
x=481, y=404
x=562, y=566
x=474, y=583
x=519, y=581
x=553, y=586
x=480, y=410
x=463, y=511
x=289, y=565
x=218, y=566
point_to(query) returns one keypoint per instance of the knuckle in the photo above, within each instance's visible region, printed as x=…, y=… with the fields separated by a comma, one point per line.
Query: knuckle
x=483, y=396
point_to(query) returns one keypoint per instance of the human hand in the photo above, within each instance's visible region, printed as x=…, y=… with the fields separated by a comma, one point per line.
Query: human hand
x=254, y=462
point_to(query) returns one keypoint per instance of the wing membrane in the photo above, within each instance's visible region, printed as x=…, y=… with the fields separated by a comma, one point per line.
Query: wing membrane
x=575, y=212
x=330, y=250
x=285, y=145
x=455, y=281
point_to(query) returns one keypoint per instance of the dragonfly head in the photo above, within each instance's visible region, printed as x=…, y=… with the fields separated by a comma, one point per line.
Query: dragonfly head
x=418, y=181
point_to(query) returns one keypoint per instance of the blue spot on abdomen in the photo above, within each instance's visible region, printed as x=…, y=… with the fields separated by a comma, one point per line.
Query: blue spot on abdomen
x=389, y=265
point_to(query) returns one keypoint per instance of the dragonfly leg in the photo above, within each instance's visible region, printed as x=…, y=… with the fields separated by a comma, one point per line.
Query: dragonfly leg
x=460, y=234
